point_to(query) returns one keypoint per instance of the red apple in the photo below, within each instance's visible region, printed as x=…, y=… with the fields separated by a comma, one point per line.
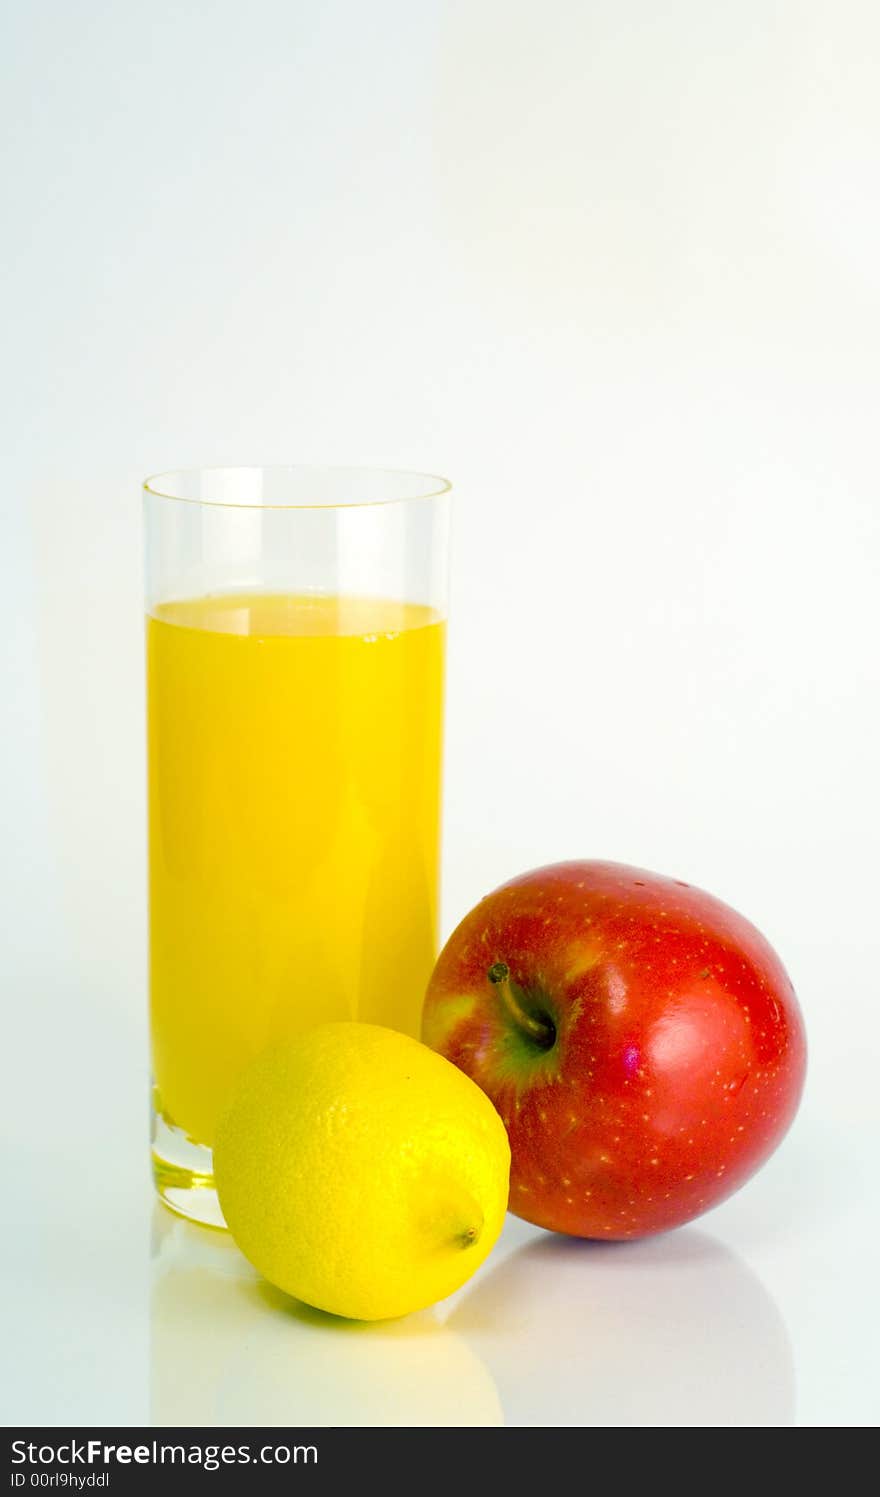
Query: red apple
x=640, y=1039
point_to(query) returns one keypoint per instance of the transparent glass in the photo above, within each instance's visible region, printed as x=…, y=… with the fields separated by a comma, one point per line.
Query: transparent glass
x=295, y=657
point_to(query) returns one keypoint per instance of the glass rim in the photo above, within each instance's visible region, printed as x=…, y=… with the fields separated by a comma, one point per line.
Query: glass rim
x=425, y=485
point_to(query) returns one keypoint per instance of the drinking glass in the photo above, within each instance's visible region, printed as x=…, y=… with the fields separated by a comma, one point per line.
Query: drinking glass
x=295, y=656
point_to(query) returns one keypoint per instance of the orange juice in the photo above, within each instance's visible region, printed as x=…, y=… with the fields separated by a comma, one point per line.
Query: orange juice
x=294, y=789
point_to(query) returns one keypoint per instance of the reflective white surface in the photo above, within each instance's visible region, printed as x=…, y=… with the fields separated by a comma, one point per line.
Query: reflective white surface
x=553, y=1333
x=762, y=1314
x=615, y=268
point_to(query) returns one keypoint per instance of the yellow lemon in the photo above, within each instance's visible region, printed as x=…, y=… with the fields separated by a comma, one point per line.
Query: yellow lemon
x=360, y=1171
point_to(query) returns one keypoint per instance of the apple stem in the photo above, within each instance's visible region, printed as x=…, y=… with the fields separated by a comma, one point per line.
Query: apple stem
x=542, y=1031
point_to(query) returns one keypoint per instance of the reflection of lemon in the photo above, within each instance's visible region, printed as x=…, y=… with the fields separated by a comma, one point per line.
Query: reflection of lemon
x=229, y=1350
x=361, y=1172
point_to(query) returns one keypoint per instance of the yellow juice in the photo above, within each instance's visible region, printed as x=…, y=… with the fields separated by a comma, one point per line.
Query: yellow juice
x=294, y=790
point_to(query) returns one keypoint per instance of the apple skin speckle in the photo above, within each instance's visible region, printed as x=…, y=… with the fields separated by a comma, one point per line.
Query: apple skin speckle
x=678, y=1052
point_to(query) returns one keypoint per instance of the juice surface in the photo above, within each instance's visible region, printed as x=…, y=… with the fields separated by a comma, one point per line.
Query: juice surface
x=294, y=794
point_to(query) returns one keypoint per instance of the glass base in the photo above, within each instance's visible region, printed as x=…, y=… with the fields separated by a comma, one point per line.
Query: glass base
x=183, y=1172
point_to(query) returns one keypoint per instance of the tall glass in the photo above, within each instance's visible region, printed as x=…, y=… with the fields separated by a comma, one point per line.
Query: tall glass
x=295, y=650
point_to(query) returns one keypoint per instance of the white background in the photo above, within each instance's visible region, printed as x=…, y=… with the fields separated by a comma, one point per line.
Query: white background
x=615, y=268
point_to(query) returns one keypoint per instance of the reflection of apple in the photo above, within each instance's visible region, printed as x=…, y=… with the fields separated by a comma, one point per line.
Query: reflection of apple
x=641, y=1041
x=228, y=1350
x=676, y=1331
